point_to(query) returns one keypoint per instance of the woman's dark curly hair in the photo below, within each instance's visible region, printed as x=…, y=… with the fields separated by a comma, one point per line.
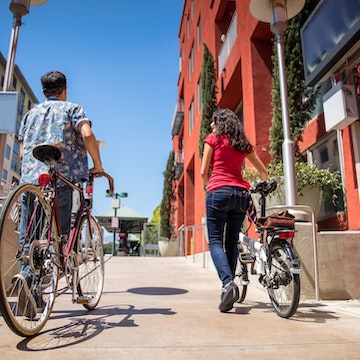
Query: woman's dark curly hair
x=227, y=123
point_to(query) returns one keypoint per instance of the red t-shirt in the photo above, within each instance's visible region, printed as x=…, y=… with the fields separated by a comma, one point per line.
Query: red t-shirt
x=226, y=164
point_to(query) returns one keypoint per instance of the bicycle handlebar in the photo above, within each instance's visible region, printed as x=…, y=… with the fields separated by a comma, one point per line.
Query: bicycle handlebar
x=265, y=187
x=109, y=191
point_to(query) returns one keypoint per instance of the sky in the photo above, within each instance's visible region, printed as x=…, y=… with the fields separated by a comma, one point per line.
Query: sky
x=121, y=59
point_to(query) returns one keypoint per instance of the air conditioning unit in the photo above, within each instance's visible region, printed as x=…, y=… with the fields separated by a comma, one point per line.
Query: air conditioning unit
x=340, y=107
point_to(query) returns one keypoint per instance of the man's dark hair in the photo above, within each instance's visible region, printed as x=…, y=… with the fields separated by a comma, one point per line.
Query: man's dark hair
x=53, y=83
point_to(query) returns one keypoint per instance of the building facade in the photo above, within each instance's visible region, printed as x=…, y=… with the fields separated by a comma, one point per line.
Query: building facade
x=242, y=50
x=9, y=143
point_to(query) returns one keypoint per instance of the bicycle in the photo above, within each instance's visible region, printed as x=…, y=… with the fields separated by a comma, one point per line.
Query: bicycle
x=34, y=255
x=272, y=257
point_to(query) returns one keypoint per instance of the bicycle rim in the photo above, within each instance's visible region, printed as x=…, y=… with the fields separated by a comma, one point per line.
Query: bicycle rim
x=28, y=272
x=241, y=280
x=284, y=289
x=91, y=262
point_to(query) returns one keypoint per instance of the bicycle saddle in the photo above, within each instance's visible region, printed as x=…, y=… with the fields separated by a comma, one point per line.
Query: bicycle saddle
x=47, y=153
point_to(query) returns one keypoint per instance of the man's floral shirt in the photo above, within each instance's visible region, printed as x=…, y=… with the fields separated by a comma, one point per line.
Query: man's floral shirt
x=54, y=122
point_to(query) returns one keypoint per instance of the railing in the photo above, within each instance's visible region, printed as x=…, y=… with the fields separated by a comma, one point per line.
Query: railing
x=188, y=239
x=230, y=38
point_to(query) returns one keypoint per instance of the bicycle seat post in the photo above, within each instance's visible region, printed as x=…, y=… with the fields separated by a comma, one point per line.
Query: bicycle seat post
x=262, y=202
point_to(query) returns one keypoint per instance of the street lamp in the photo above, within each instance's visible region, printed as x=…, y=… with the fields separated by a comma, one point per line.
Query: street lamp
x=276, y=12
x=19, y=8
x=115, y=219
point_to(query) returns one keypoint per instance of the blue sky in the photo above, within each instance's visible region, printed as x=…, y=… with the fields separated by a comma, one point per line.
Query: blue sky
x=121, y=59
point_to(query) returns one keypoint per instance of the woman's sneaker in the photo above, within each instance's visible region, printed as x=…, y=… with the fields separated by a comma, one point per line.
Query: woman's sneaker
x=229, y=294
x=26, y=301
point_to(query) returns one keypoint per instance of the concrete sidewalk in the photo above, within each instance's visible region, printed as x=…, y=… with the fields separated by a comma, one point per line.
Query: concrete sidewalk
x=166, y=308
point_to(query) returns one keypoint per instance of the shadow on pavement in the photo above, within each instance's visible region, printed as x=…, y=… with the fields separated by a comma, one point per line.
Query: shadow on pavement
x=82, y=328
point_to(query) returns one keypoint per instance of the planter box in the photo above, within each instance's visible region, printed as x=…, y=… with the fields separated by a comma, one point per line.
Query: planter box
x=168, y=248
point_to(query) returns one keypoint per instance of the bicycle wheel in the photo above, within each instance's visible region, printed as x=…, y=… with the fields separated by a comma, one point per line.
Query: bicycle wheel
x=28, y=258
x=241, y=279
x=91, y=262
x=284, y=289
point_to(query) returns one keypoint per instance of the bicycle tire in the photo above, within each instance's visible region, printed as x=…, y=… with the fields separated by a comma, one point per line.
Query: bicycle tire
x=284, y=287
x=28, y=273
x=240, y=273
x=91, y=262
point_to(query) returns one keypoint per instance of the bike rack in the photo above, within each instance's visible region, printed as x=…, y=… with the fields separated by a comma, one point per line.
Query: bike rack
x=314, y=240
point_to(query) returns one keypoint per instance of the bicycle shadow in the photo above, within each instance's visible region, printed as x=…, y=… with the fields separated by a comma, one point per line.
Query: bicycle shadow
x=82, y=327
x=306, y=312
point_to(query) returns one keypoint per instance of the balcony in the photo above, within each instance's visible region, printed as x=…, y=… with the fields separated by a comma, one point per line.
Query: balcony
x=179, y=163
x=178, y=118
x=228, y=43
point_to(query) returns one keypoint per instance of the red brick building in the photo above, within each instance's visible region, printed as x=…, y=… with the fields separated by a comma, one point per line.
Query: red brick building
x=242, y=50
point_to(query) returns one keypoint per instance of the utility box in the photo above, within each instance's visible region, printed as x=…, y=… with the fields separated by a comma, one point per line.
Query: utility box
x=340, y=107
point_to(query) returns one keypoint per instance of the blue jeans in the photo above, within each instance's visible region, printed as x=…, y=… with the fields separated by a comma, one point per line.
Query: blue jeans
x=225, y=212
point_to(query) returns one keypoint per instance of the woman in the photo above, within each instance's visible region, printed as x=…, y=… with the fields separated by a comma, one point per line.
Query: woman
x=227, y=200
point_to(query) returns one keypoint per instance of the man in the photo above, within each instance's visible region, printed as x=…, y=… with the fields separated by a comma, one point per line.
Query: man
x=58, y=122
x=65, y=124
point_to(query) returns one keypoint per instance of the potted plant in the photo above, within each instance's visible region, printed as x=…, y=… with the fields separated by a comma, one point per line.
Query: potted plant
x=312, y=183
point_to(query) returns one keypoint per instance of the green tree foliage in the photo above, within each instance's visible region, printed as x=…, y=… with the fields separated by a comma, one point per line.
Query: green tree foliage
x=301, y=99
x=108, y=248
x=208, y=95
x=156, y=215
x=166, y=206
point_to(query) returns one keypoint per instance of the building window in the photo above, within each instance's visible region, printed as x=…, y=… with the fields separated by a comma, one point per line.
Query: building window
x=14, y=181
x=198, y=33
x=29, y=106
x=4, y=176
x=21, y=103
x=16, y=150
x=191, y=62
x=7, y=152
x=14, y=83
x=191, y=117
x=14, y=165
x=325, y=155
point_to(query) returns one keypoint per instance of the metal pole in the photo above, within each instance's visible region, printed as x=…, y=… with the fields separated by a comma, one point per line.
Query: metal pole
x=291, y=195
x=114, y=239
x=9, y=70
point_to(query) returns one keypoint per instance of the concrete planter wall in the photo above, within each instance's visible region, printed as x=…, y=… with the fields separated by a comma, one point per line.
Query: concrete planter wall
x=338, y=263
x=309, y=196
x=168, y=248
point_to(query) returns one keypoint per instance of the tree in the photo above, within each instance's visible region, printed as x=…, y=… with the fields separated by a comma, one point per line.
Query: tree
x=301, y=99
x=156, y=215
x=208, y=95
x=166, y=206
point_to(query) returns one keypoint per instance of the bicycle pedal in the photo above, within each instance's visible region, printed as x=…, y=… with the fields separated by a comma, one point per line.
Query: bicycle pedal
x=247, y=258
x=82, y=300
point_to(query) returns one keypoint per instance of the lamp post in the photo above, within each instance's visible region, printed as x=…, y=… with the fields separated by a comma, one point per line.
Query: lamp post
x=19, y=8
x=115, y=219
x=276, y=12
